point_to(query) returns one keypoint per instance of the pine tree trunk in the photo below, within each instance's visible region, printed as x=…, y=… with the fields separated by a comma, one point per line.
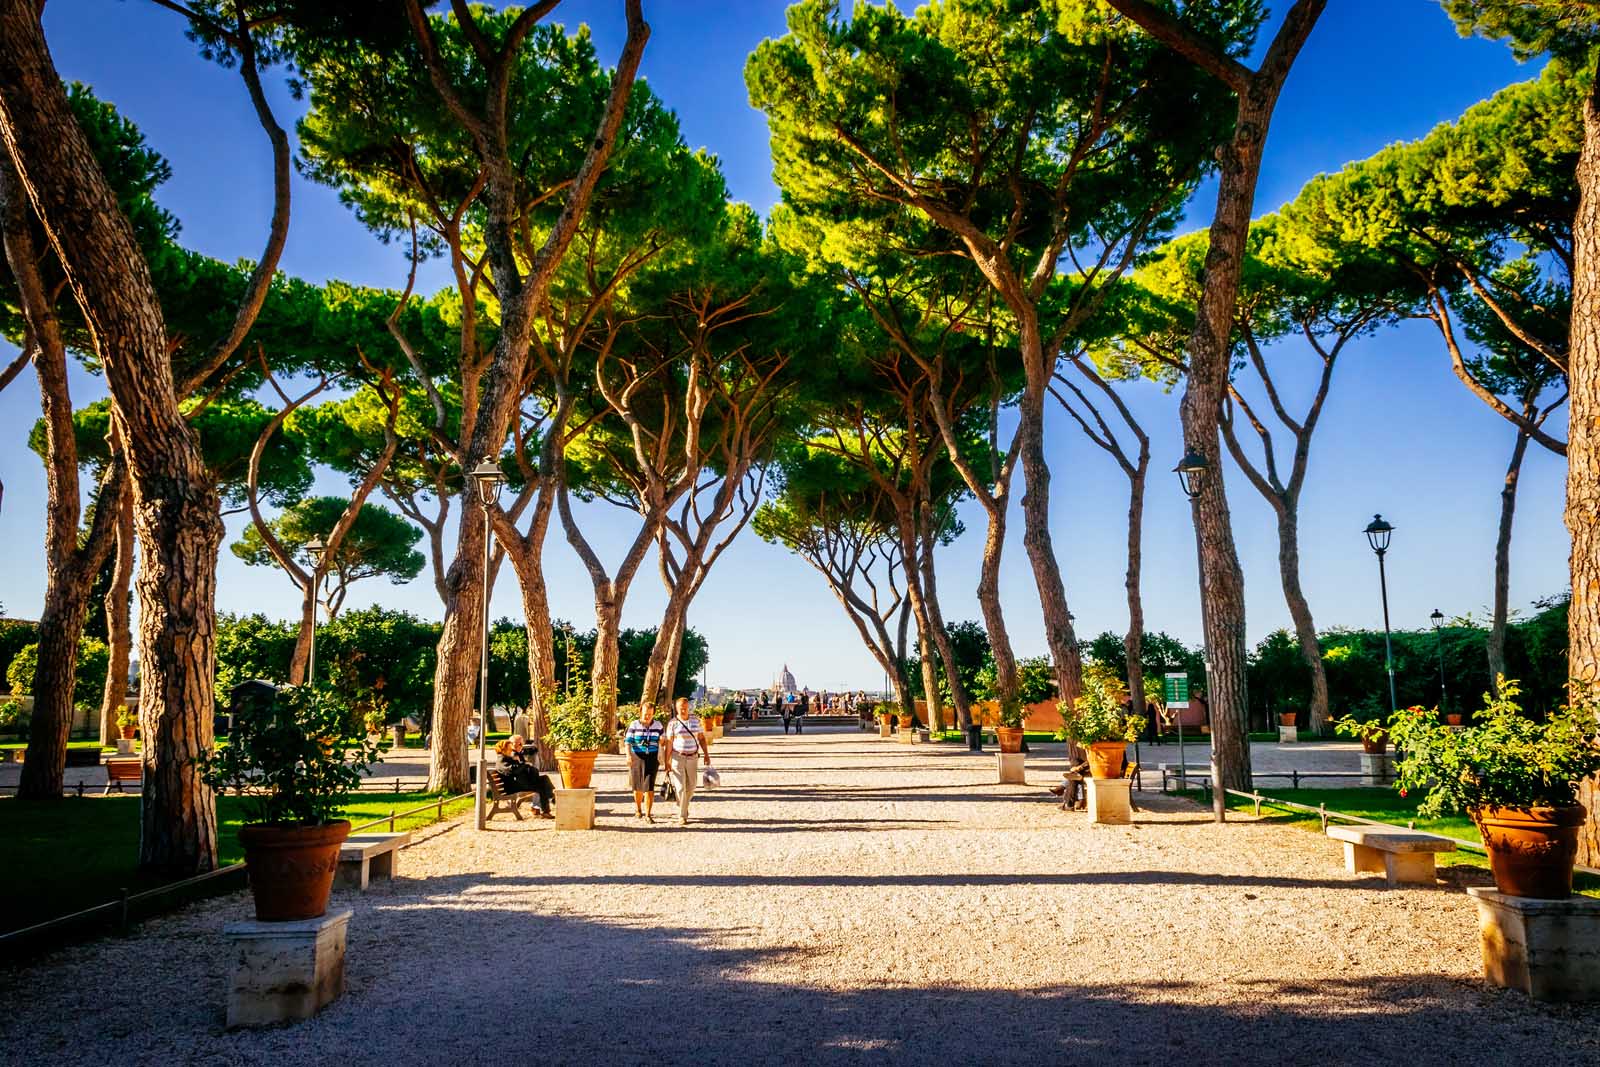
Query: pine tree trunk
x=941, y=637
x=1496, y=646
x=1300, y=611
x=460, y=647
x=1007, y=686
x=1059, y=636
x=603, y=676
x=119, y=640
x=300, y=658
x=660, y=673
x=1133, y=642
x=1583, y=444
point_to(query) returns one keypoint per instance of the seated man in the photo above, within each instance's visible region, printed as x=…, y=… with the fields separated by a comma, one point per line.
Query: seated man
x=521, y=776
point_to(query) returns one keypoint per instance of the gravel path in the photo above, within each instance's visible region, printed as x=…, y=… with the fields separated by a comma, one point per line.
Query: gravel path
x=841, y=900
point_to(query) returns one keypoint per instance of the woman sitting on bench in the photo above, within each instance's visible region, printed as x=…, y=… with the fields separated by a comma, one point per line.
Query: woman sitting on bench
x=520, y=776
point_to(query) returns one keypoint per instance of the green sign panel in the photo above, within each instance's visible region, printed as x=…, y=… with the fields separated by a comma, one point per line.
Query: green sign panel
x=1175, y=690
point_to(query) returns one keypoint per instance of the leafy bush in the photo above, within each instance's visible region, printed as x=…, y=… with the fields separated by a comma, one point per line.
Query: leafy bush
x=573, y=724
x=1100, y=714
x=1036, y=679
x=1506, y=759
x=294, y=757
x=89, y=676
x=12, y=720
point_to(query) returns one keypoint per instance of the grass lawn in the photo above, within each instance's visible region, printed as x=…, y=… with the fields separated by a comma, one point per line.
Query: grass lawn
x=66, y=855
x=13, y=745
x=1384, y=805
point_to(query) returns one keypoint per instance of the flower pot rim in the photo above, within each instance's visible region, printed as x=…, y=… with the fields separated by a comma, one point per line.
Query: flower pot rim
x=294, y=825
x=1533, y=812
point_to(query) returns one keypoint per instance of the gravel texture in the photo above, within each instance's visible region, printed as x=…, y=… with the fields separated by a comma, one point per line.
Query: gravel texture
x=842, y=899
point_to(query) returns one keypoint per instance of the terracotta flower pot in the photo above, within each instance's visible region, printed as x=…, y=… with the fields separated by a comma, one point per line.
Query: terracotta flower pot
x=577, y=767
x=1010, y=738
x=1375, y=744
x=907, y=721
x=291, y=868
x=1288, y=718
x=1452, y=719
x=128, y=732
x=1105, y=758
x=1531, y=850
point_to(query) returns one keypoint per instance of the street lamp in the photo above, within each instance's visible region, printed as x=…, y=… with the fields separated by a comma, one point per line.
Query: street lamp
x=488, y=478
x=1438, y=632
x=1378, y=533
x=1193, y=470
x=316, y=548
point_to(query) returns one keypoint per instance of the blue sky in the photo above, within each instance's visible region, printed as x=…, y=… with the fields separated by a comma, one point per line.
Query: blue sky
x=1400, y=434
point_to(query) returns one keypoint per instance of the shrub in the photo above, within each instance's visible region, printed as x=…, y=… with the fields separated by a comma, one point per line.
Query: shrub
x=293, y=758
x=1506, y=759
x=1100, y=714
x=573, y=723
x=89, y=676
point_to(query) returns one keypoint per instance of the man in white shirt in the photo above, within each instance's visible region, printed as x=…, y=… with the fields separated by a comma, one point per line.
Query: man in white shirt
x=685, y=740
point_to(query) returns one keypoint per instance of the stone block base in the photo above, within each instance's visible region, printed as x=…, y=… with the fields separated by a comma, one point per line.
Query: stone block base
x=574, y=809
x=285, y=971
x=1012, y=769
x=1109, y=801
x=124, y=746
x=904, y=736
x=1549, y=949
x=1288, y=735
x=1377, y=768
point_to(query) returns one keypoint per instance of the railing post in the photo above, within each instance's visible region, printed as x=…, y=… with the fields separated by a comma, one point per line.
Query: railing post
x=1258, y=805
x=1294, y=773
x=391, y=820
x=1322, y=813
x=122, y=912
x=440, y=816
x=397, y=783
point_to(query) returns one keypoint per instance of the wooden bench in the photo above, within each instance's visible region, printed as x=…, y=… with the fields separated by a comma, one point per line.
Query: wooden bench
x=121, y=769
x=364, y=856
x=1401, y=856
x=502, y=800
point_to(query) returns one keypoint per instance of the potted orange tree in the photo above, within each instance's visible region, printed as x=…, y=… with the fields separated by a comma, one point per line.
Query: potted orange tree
x=295, y=758
x=576, y=728
x=1516, y=775
x=1100, y=721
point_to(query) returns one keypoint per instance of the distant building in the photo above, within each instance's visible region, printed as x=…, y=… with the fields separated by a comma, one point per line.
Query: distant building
x=786, y=682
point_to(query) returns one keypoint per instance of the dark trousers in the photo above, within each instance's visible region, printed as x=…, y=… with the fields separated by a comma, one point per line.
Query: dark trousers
x=547, y=793
x=799, y=721
x=787, y=718
x=975, y=738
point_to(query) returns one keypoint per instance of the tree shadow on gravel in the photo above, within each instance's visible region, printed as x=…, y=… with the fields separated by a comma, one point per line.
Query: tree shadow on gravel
x=439, y=974
x=823, y=880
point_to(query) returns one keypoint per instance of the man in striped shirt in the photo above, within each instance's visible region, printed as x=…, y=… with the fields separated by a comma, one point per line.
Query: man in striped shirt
x=685, y=739
x=644, y=756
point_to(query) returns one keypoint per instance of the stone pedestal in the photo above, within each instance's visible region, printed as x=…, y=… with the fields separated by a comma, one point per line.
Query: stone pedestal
x=574, y=809
x=885, y=728
x=285, y=971
x=1377, y=768
x=1109, y=802
x=1288, y=735
x=918, y=736
x=904, y=734
x=1549, y=949
x=124, y=746
x=1012, y=771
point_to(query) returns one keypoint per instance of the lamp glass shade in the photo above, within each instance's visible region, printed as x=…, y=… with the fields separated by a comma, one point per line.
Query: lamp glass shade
x=315, y=548
x=488, y=477
x=1437, y=618
x=1378, y=533
x=1192, y=470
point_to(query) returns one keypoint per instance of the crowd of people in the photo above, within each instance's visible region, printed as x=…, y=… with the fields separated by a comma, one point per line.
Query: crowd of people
x=793, y=706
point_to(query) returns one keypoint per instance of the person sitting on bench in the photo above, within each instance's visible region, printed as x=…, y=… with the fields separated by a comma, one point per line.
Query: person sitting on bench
x=520, y=776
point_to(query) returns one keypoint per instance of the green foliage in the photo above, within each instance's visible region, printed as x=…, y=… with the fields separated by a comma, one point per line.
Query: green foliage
x=575, y=724
x=1505, y=759
x=378, y=542
x=1101, y=712
x=378, y=657
x=14, y=636
x=12, y=719
x=126, y=718
x=1278, y=675
x=295, y=758
x=251, y=646
x=1036, y=679
x=89, y=675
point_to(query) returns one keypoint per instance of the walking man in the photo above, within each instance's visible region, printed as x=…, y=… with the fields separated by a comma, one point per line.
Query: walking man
x=644, y=760
x=685, y=740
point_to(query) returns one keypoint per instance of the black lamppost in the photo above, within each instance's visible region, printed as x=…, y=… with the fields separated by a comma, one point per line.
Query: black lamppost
x=488, y=478
x=1438, y=632
x=1378, y=533
x=1193, y=470
x=316, y=548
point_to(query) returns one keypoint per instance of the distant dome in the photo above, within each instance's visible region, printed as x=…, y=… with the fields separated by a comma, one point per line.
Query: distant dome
x=786, y=680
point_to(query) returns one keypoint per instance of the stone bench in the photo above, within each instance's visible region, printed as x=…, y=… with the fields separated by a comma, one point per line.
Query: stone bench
x=1402, y=856
x=364, y=855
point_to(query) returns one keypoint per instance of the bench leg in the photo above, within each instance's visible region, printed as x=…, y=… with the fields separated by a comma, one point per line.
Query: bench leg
x=1409, y=868
x=353, y=874
x=1359, y=859
x=384, y=864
